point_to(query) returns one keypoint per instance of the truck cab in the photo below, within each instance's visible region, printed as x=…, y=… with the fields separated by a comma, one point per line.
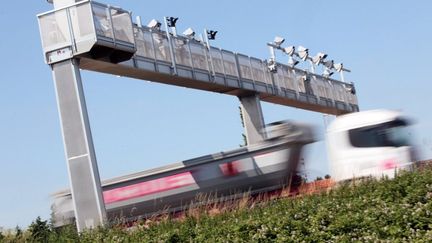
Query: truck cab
x=370, y=143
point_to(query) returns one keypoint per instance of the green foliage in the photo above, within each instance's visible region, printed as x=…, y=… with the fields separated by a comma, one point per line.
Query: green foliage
x=244, y=141
x=18, y=232
x=39, y=230
x=327, y=176
x=398, y=210
x=241, y=116
x=243, y=125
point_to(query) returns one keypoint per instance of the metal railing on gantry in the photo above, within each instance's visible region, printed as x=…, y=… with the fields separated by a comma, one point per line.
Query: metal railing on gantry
x=105, y=39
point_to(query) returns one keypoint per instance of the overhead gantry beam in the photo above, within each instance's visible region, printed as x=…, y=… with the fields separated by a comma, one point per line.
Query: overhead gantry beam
x=113, y=44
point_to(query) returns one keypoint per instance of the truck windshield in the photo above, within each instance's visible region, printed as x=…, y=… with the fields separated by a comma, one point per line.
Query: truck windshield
x=390, y=134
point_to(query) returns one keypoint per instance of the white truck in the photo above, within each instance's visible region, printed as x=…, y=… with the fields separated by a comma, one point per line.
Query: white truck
x=375, y=142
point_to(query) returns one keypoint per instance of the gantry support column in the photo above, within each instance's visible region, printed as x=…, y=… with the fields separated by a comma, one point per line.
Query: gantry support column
x=253, y=119
x=80, y=155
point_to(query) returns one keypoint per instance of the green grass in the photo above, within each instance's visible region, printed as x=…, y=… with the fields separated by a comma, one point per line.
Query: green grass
x=396, y=210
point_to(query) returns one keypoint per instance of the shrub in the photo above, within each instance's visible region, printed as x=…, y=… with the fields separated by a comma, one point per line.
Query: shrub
x=398, y=210
x=39, y=230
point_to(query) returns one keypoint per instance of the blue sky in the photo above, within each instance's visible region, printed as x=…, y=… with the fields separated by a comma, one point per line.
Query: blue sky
x=138, y=124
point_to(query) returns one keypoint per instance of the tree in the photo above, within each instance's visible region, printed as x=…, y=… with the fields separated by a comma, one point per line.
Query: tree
x=244, y=141
x=1, y=236
x=327, y=176
x=243, y=125
x=318, y=178
x=18, y=232
x=40, y=230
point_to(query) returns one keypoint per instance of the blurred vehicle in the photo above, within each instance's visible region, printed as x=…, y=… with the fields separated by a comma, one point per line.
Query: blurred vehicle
x=361, y=144
x=261, y=167
x=369, y=143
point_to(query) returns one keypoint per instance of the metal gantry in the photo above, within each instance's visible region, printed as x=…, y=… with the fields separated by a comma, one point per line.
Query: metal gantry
x=98, y=37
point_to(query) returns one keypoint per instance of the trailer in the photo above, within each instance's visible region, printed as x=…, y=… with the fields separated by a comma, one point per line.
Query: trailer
x=261, y=167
